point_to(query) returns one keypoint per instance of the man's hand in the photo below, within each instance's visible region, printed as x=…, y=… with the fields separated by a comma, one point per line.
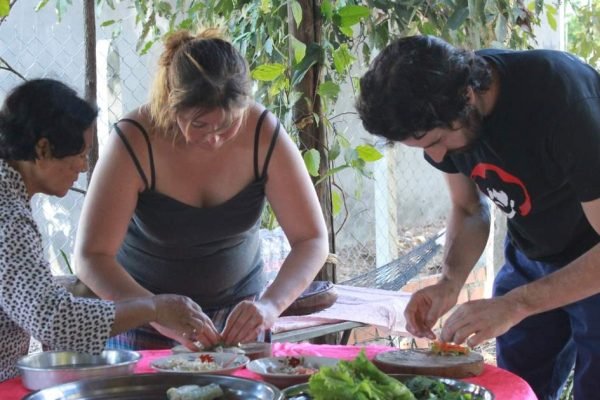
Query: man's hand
x=479, y=320
x=427, y=305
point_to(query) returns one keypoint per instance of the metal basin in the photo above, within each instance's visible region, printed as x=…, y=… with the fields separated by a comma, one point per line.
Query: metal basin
x=154, y=387
x=49, y=368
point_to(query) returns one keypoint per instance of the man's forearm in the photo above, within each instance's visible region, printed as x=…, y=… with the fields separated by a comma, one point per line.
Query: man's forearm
x=466, y=236
x=573, y=282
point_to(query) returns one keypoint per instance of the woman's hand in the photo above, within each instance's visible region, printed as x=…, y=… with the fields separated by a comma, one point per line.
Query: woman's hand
x=179, y=318
x=247, y=320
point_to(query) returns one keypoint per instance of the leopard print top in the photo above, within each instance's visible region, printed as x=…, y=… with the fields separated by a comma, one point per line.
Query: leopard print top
x=31, y=304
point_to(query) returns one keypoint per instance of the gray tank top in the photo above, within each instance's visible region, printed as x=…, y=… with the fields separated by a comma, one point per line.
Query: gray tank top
x=209, y=254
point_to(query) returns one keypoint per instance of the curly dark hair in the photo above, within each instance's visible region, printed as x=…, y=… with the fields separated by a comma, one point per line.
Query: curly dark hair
x=419, y=83
x=43, y=108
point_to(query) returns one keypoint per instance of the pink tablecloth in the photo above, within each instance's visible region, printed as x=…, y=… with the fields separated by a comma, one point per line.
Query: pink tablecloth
x=503, y=384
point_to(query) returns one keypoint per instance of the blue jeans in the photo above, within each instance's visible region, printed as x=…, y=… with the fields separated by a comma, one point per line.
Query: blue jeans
x=543, y=348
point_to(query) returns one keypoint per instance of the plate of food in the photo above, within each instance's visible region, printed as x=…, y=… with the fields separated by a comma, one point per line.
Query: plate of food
x=201, y=363
x=289, y=370
x=252, y=350
x=421, y=388
x=440, y=359
x=360, y=378
x=161, y=386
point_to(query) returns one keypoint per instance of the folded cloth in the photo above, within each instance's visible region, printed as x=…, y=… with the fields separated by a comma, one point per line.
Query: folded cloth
x=381, y=308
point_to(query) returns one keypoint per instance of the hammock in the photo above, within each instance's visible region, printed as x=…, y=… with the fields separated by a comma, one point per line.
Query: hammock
x=396, y=274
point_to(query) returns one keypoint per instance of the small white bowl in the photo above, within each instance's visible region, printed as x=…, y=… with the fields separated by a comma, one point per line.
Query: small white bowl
x=273, y=369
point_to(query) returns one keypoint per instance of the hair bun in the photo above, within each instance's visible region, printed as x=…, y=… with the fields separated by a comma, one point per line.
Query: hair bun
x=173, y=42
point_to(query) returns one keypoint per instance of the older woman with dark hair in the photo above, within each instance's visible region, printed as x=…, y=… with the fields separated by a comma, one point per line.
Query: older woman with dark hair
x=45, y=137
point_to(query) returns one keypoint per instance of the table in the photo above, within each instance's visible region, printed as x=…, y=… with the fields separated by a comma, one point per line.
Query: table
x=505, y=385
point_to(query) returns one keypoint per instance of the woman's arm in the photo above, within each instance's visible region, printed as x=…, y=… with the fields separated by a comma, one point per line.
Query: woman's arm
x=292, y=196
x=108, y=207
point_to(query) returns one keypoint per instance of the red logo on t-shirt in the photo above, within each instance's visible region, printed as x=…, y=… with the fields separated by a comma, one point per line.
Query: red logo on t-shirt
x=506, y=190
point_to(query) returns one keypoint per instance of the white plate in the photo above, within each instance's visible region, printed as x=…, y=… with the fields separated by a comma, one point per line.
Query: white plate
x=272, y=369
x=200, y=363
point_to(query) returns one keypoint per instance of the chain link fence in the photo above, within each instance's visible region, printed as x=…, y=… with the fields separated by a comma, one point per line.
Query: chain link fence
x=384, y=217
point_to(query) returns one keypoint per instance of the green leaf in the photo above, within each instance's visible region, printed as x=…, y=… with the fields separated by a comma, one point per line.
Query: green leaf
x=267, y=72
x=551, y=21
x=342, y=58
x=327, y=9
x=106, y=23
x=346, y=30
x=336, y=202
x=39, y=5
x=4, y=7
x=298, y=48
x=501, y=29
x=457, y=18
x=312, y=159
x=265, y=6
x=314, y=55
x=187, y=24
x=334, y=150
x=328, y=89
x=350, y=15
x=297, y=12
x=368, y=153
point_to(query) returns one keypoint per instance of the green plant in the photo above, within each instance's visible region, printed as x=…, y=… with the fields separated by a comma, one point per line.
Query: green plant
x=65, y=258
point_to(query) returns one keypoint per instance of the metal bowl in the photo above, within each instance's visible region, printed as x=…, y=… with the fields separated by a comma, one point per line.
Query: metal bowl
x=49, y=368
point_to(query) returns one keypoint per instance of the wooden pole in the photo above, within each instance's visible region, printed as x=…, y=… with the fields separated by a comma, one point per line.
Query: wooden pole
x=90, y=88
x=313, y=136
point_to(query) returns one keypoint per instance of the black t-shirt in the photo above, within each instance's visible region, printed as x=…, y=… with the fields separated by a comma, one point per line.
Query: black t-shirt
x=539, y=155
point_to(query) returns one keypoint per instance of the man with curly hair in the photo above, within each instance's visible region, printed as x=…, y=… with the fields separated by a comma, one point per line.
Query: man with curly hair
x=523, y=128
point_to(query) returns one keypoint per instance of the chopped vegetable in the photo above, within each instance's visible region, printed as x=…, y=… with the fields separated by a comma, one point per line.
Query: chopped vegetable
x=359, y=379
x=448, y=349
x=430, y=389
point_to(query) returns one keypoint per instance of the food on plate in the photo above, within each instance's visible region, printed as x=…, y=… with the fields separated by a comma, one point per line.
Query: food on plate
x=447, y=349
x=195, y=392
x=358, y=379
x=425, y=388
x=292, y=366
x=202, y=363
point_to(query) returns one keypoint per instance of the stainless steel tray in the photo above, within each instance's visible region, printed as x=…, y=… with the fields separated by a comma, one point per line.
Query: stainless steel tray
x=154, y=386
x=300, y=392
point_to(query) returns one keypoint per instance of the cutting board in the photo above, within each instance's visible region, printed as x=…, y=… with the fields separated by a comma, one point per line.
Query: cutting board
x=423, y=362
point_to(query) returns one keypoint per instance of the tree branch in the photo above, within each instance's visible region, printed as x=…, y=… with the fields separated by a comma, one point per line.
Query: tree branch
x=10, y=6
x=6, y=66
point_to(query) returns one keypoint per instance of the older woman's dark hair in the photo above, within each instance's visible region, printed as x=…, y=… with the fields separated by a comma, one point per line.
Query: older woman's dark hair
x=43, y=108
x=416, y=84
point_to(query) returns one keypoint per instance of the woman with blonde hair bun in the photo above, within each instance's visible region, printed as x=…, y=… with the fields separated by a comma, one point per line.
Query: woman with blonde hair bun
x=175, y=202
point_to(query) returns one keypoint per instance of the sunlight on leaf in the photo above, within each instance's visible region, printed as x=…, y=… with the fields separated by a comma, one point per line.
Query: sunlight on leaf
x=297, y=12
x=342, y=58
x=368, y=153
x=312, y=159
x=298, y=48
x=267, y=72
x=4, y=7
x=350, y=15
x=336, y=201
x=40, y=5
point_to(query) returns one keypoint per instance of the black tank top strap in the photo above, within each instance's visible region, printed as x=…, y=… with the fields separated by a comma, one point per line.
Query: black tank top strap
x=149, y=185
x=257, y=174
